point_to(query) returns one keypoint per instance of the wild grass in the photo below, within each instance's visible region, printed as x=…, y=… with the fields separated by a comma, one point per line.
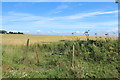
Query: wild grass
x=91, y=59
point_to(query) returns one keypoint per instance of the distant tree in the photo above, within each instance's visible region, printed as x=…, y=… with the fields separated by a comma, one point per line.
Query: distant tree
x=20, y=33
x=14, y=32
x=3, y=32
x=117, y=1
x=10, y=32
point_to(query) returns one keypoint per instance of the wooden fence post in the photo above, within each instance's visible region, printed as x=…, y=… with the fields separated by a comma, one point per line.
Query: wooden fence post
x=73, y=56
x=37, y=58
x=28, y=43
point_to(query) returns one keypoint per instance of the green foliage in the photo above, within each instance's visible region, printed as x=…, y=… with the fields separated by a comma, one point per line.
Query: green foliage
x=93, y=59
x=3, y=32
x=15, y=32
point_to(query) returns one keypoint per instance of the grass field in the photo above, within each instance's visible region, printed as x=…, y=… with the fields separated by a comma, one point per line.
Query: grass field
x=75, y=57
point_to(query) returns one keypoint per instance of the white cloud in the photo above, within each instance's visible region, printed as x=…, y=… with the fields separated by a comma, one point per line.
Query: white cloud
x=25, y=21
x=53, y=31
x=109, y=23
x=110, y=12
x=65, y=32
x=114, y=30
x=15, y=16
x=62, y=7
x=59, y=8
x=78, y=32
x=84, y=15
x=39, y=31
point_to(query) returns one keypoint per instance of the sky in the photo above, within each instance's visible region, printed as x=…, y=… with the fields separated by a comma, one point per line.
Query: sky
x=60, y=18
x=58, y=0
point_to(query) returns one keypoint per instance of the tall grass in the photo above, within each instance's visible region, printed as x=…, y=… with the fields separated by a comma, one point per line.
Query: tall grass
x=89, y=59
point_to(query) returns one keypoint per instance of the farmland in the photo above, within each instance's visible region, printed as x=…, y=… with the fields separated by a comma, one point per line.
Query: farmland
x=59, y=56
x=11, y=39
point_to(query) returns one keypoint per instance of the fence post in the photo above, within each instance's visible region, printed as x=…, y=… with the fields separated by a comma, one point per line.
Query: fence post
x=37, y=58
x=28, y=43
x=73, y=56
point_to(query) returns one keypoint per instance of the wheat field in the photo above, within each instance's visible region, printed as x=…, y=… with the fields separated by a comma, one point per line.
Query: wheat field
x=19, y=39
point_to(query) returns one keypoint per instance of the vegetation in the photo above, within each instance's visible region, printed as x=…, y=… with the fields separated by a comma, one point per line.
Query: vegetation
x=5, y=32
x=87, y=59
x=15, y=32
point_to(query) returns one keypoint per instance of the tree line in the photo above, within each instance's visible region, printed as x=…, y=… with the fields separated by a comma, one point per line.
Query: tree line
x=10, y=32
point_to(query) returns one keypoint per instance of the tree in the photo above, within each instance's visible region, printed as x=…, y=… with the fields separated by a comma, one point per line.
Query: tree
x=117, y=1
x=10, y=32
x=3, y=32
x=20, y=33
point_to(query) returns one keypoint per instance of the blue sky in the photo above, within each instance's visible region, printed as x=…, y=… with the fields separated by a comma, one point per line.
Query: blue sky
x=60, y=18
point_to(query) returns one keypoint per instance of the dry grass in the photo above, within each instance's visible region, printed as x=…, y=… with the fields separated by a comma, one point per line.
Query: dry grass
x=19, y=39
